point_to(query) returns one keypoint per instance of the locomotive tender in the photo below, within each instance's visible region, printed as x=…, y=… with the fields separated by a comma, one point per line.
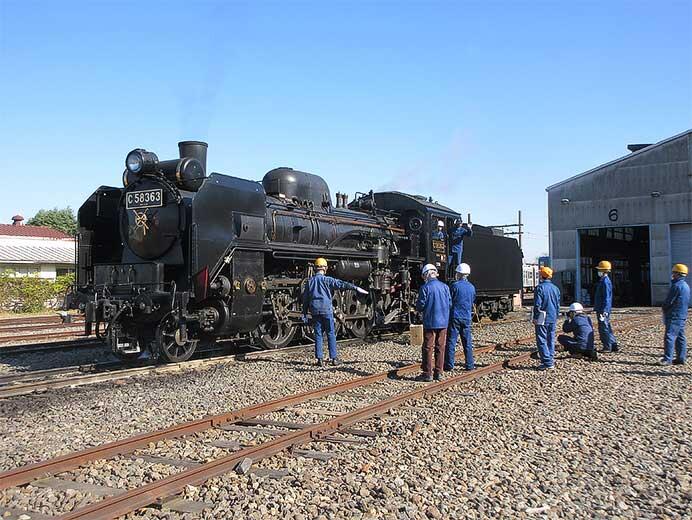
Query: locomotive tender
x=177, y=257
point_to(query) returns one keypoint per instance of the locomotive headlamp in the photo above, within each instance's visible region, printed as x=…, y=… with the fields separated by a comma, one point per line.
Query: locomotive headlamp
x=139, y=161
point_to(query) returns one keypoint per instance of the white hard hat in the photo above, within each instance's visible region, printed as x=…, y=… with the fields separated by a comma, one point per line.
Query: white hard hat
x=463, y=269
x=428, y=267
x=576, y=307
x=440, y=223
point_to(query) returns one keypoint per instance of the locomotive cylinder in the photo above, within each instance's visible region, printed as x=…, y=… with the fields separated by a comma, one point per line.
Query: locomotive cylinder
x=353, y=270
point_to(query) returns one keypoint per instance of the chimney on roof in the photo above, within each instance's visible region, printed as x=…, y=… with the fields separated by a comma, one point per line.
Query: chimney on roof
x=17, y=220
x=637, y=147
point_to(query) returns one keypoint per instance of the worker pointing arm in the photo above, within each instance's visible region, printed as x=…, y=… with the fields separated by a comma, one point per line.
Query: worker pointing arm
x=317, y=298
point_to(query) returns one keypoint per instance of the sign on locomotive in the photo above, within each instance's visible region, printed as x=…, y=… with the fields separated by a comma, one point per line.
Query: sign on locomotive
x=177, y=257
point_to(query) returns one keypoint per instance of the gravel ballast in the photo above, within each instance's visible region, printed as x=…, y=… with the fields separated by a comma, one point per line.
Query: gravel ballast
x=590, y=440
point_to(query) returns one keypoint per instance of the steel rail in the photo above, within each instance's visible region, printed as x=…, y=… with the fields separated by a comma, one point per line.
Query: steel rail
x=137, y=498
x=16, y=329
x=24, y=474
x=46, y=335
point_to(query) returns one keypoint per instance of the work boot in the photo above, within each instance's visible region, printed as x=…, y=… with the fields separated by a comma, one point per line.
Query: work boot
x=546, y=367
x=335, y=362
x=593, y=355
x=320, y=363
x=678, y=361
x=424, y=377
x=606, y=350
x=438, y=377
x=664, y=363
x=615, y=347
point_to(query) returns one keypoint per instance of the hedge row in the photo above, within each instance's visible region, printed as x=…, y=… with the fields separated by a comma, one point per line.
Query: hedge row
x=30, y=293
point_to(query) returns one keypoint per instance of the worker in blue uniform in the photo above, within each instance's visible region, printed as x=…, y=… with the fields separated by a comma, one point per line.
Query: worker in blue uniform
x=317, y=299
x=603, y=304
x=434, y=302
x=463, y=295
x=546, y=305
x=456, y=238
x=579, y=324
x=439, y=233
x=674, y=317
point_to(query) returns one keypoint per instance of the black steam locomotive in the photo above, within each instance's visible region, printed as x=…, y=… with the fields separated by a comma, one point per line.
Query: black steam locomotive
x=177, y=257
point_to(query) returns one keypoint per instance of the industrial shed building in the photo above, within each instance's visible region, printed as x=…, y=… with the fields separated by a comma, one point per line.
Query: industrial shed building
x=635, y=211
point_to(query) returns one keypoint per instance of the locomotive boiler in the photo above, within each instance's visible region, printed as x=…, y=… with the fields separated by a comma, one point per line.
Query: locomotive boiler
x=178, y=257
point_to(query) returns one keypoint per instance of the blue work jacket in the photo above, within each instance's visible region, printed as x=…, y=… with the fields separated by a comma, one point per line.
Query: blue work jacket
x=438, y=235
x=457, y=237
x=603, y=299
x=678, y=300
x=434, y=302
x=318, y=294
x=582, y=328
x=463, y=295
x=546, y=298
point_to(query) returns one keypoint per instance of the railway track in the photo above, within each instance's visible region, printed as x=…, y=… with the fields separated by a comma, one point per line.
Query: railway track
x=14, y=385
x=280, y=424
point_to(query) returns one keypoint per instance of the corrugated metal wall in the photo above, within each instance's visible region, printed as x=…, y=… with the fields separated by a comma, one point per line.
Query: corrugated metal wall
x=620, y=194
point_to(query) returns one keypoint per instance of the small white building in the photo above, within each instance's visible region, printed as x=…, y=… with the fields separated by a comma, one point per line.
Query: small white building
x=35, y=250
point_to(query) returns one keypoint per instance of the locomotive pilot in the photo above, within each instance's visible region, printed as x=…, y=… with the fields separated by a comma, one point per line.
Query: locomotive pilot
x=439, y=233
x=317, y=299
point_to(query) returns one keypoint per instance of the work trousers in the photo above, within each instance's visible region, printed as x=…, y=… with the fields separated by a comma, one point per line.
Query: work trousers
x=545, y=341
x=675, y=340
x=433, y=341
x=454, y=260
x=324, y=324
x=459, y=327
x=572, y=345
x=605, y=332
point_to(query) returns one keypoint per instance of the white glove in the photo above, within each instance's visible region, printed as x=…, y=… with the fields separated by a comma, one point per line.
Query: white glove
x=601, y=317
x=360, y=290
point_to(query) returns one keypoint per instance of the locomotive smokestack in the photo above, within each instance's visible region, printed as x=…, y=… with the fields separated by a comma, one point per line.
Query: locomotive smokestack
x=194, y=149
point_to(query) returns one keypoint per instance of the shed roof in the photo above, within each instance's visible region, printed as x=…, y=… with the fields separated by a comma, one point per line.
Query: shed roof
x=624, y=157
x=37, y=254
x=31, y=231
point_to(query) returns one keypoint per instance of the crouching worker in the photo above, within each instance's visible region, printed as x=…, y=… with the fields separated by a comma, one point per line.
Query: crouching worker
x=463, y=295
x=434, y=302
x=317, y=299
x=580, y=325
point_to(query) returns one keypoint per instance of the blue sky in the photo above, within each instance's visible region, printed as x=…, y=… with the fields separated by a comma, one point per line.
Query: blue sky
x=480, y=105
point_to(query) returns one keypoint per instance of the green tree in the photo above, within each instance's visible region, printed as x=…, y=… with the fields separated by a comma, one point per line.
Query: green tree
x=60, y=219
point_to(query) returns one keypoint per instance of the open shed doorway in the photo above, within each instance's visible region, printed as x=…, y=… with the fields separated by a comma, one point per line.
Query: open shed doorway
x=627, y=248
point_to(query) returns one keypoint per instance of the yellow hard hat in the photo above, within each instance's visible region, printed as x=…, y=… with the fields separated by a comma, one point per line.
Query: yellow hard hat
x=546, y=272
x=680, y=269
x=604, y=265
x=320, y=262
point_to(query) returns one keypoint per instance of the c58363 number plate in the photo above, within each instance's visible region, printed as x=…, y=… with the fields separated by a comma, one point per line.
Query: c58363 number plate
x=144, y=199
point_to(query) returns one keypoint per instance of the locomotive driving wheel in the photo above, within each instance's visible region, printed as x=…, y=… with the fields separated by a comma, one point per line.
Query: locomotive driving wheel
x=277, y=330
x=169, y=341
x=359, y=313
